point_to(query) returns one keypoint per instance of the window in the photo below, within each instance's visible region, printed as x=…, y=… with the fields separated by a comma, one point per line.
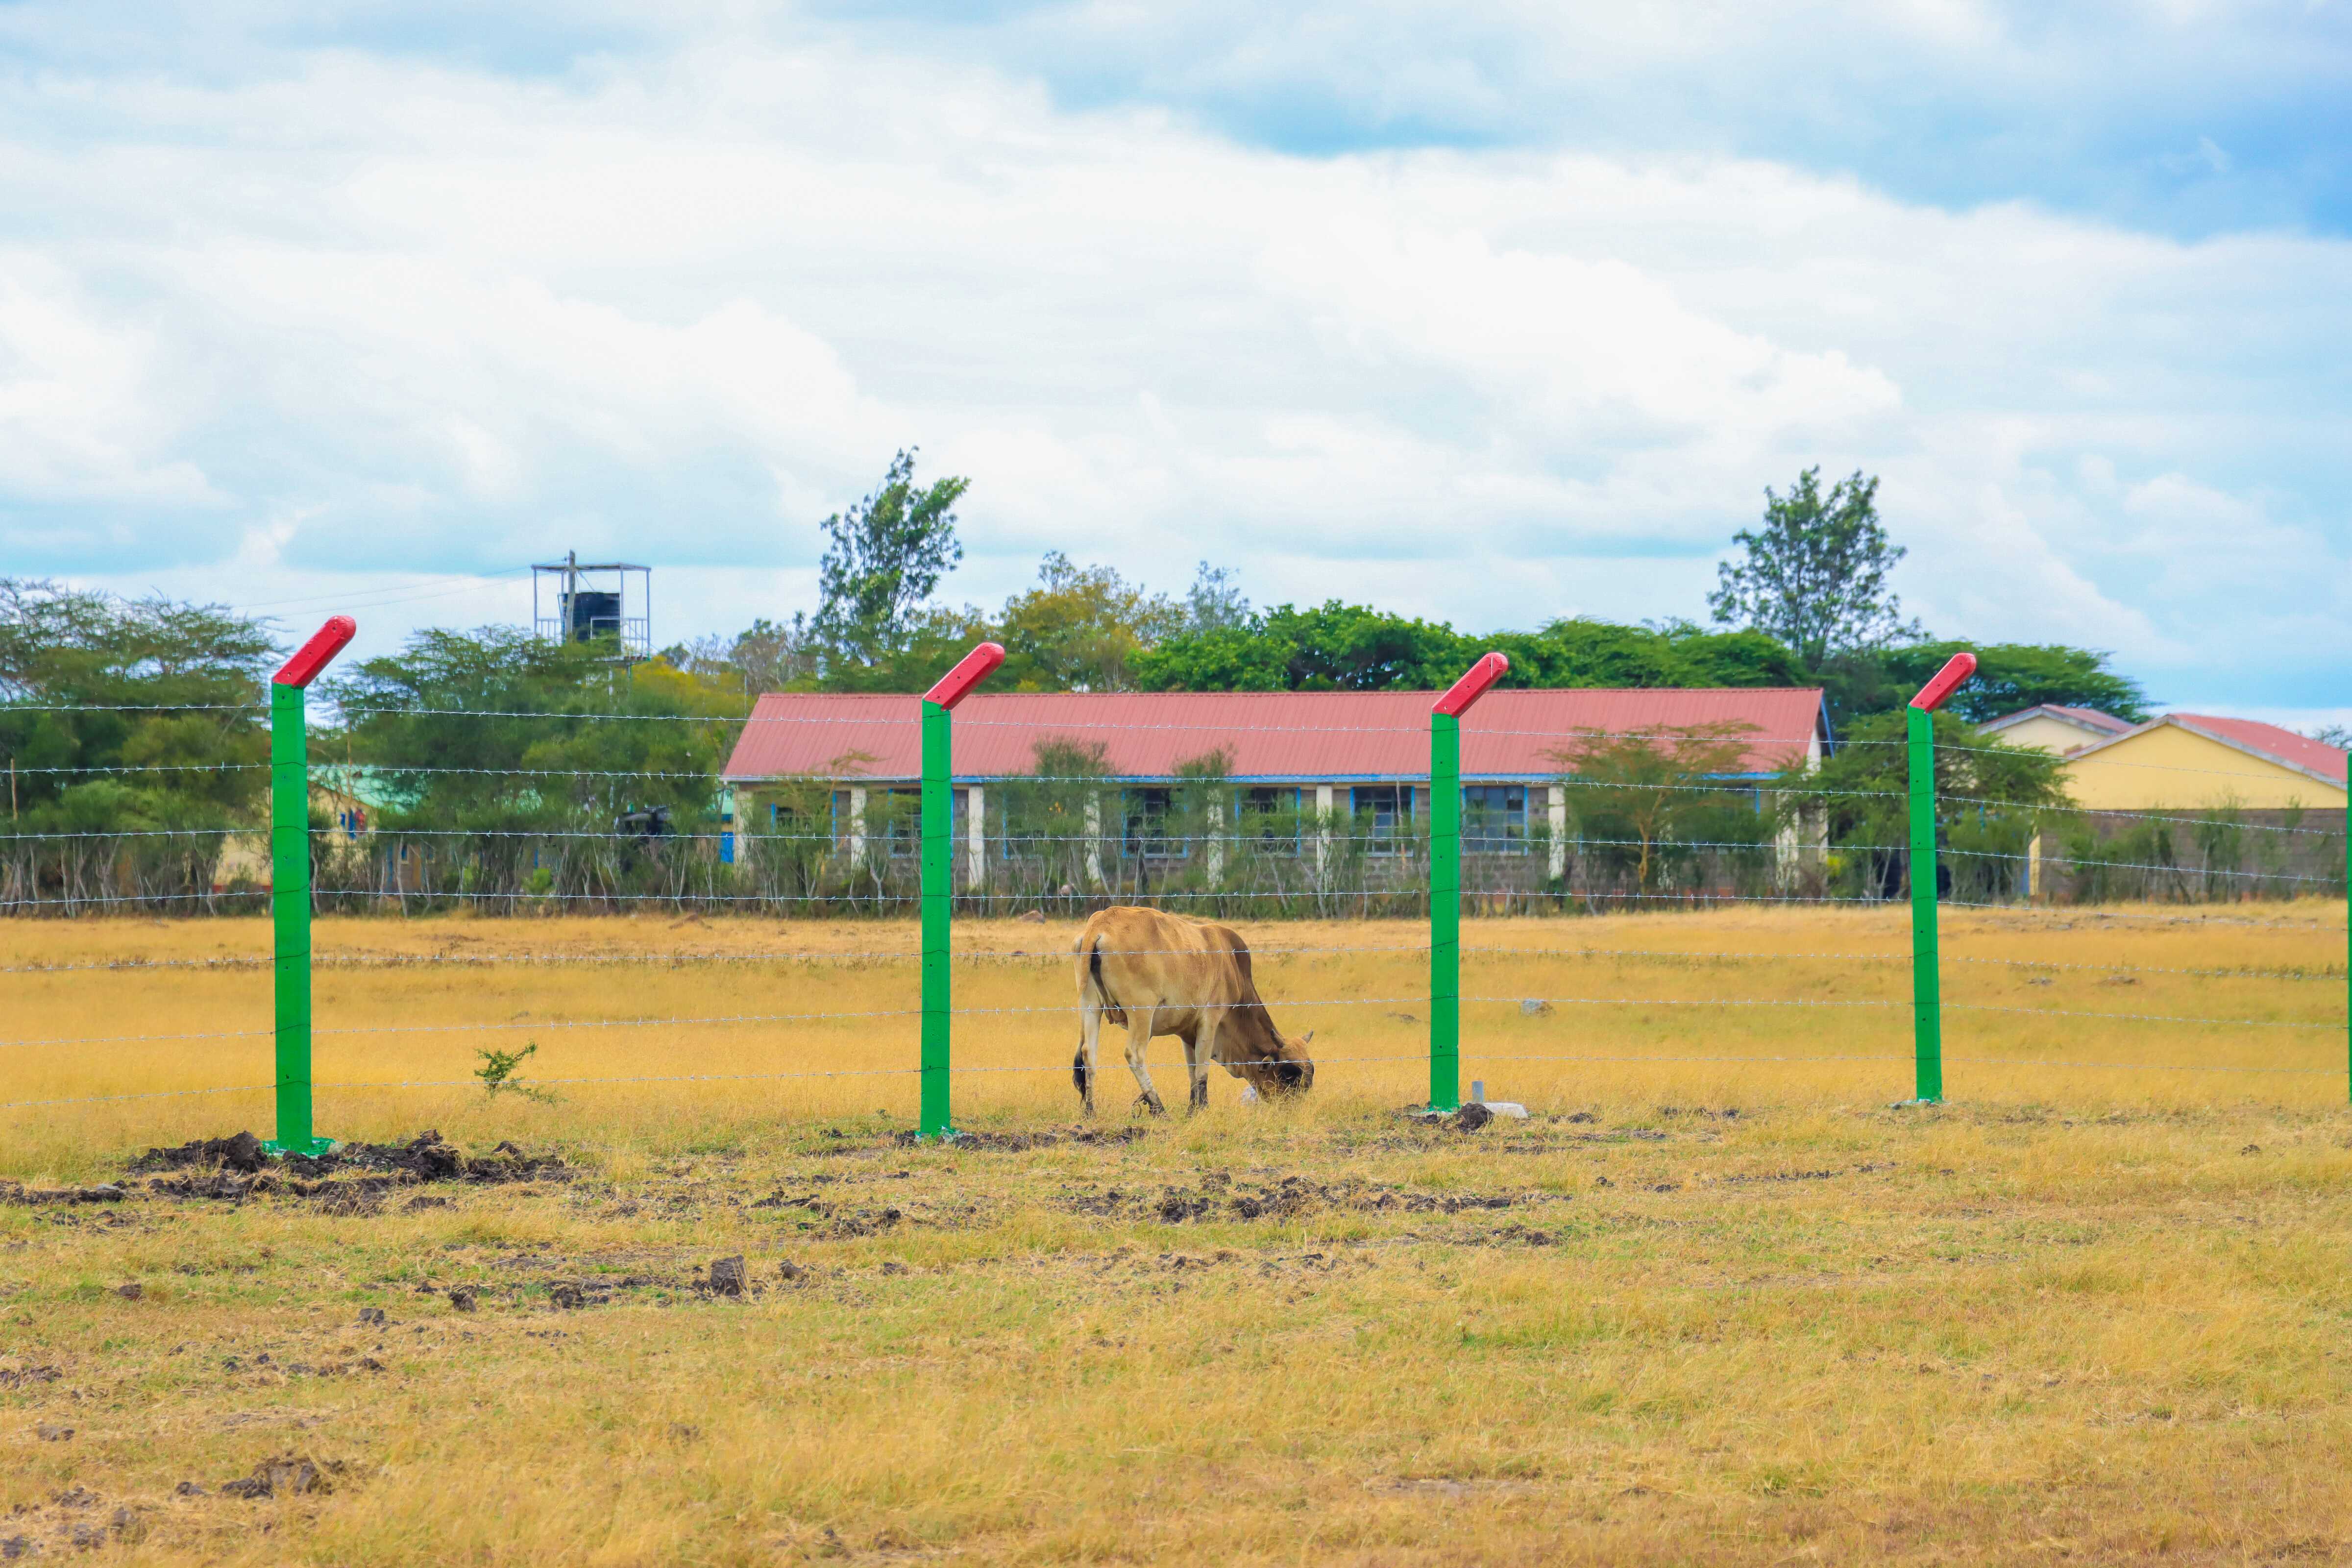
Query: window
x=895, y=817
x=1384, y=813
x=1268, y=818
x=1495, y=819
x=1146, y=833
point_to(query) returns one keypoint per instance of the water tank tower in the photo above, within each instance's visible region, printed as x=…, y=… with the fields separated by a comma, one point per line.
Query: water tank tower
x=573, y=600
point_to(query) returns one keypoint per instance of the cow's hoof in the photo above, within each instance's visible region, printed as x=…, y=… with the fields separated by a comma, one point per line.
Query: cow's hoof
x=1152, y=1104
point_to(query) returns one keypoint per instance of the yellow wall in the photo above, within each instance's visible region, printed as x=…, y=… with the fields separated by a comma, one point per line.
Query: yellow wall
x=2044, y=734
x=2137, y=776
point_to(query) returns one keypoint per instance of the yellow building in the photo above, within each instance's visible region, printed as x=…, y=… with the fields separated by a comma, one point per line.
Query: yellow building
x=2195, y=761
x=2052, y=727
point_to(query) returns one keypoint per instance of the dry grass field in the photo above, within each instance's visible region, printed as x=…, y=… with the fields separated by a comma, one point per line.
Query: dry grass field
x=1716, y=1300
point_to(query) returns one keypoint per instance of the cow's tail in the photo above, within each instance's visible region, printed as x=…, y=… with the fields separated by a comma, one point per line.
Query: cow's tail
x=1101, y=998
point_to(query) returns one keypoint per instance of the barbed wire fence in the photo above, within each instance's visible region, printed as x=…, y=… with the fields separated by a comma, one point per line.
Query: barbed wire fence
x=1084, y=830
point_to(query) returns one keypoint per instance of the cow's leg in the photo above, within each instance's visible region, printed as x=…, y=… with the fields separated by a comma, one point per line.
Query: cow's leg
x=1090, y=1041
x=1200, y=1051
x=1139, y=1036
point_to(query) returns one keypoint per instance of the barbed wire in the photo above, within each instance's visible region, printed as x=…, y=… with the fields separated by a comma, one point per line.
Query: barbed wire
x=875, y=899
x=1887, y=1059
x=553, y=961
x=1424, y=999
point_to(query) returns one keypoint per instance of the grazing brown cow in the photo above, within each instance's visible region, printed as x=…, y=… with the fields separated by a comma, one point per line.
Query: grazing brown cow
x=1160, y=973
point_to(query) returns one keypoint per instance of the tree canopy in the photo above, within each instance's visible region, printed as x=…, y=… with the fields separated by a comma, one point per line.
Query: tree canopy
x=887, y=555
x=1815, y=573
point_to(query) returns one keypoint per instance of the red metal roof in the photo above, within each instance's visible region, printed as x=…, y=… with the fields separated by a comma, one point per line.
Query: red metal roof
x=1303, y=735
x=2282, y=746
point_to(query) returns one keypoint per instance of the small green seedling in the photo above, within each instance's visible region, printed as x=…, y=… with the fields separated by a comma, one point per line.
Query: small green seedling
x=498, y=1074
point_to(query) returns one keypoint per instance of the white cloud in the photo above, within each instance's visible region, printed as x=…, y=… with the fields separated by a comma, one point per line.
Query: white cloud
x=363, y=318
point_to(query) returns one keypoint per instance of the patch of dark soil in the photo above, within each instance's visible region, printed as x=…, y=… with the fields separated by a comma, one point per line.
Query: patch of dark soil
x=1524, y=1236
x=352, y=1199
x=226, y=1186
x=287, y=1475
x=25, y=1377
x=235, y=1169
x=728, y=1277
x=242, y=1152
x=865, y=1221
x=103, y=1193
x=1016, y=1142
x=1218, y=1196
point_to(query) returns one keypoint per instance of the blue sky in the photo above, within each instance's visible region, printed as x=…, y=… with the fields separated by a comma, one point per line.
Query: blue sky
x=1468, y=310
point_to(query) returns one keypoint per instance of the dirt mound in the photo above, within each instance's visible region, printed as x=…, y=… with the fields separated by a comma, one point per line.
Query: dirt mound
x=1014, y=1143
x=288, y=1475
x=241, y=1153
x=1217, y=1197
x=235, y=1169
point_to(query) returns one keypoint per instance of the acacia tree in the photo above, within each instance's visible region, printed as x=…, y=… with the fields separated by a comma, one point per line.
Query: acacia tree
x=887, y=552
x=1815, y=572
x=1642, y=792
x=121, y=718
x=1079, y=628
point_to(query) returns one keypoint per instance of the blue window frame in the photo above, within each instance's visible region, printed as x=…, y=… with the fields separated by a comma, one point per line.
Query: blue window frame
x=1495, y=819
x=1144, y=833
x=1389, y=808
x=901, y=811
x=1269, y=816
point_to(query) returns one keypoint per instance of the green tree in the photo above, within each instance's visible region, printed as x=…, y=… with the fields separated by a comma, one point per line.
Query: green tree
x=1815, y=573
x=1214, y=600
x=1352, y=648
x=888, y=554
x=509, y=754
x=1080, y=628
x=1989, y=799
x=2011, y=676
x=1641, y=801
x=76, y=670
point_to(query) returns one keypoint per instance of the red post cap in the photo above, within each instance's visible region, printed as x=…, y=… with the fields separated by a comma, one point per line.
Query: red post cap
x=969, y=671
x=318, y=653
x=1472, y=686
x=1957, y=669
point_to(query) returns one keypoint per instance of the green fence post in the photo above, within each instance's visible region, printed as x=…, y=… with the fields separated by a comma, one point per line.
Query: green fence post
x=1927, y=974
x=289, y=884
x=939, y=893
x=1444, y=912
x=936, y=1118
x=1445, y=878
x=1927, y=991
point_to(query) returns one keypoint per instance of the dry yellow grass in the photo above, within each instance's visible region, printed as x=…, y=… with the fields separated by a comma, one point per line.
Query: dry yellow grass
x=2081, y=1311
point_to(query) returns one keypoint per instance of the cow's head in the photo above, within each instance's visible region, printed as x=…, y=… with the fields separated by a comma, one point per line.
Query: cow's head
x=1286, y=1068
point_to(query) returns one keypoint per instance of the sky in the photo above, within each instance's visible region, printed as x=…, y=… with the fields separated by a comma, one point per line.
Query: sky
x=1492, y=313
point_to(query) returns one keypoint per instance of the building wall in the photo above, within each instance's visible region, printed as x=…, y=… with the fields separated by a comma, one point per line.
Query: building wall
x=2044, y=733
x=2134, y=776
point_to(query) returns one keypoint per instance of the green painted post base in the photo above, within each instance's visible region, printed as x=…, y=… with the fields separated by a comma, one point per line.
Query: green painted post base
x=311, y=1149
